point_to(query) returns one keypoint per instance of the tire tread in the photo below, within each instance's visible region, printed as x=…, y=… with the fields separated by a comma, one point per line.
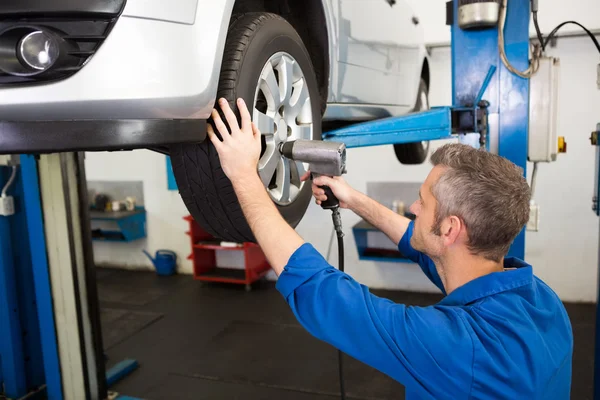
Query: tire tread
x=204, y=187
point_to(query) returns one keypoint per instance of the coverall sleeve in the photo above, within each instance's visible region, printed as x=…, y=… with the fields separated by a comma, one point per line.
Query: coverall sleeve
x=413, y=345
x=424, y=261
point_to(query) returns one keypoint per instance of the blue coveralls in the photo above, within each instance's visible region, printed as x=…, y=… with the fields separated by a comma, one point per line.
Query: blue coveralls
x=505, y=335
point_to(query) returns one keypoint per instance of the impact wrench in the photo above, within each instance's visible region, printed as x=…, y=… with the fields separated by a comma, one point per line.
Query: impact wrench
x=329, y=159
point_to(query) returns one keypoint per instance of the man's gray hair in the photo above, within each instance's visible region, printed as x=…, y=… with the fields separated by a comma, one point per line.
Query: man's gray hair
x=487, y=192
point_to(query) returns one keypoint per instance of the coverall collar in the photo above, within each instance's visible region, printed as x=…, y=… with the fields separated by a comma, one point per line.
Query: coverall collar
x=491, y=284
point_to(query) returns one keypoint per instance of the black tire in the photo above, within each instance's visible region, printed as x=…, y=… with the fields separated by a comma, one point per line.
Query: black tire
x=414, y=153
x=206, y=191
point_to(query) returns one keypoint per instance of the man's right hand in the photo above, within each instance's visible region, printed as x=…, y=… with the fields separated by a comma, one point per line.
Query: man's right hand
x=344, y=192
x=384, y=219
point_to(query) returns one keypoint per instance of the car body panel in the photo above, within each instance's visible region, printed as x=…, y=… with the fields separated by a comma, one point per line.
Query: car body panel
x=331, y=22
x=20, y=7
x=151, y=86
x=162, y=10
x=378, y=52
x=362, y=112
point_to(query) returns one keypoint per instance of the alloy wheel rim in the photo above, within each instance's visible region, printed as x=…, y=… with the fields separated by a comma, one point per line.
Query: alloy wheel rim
x=283, y=112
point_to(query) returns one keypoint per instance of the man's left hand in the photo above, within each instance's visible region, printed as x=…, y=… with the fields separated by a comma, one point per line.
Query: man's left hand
x=239, y=151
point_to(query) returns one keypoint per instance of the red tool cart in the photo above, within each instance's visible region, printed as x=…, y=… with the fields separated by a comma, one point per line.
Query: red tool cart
x=204, y=247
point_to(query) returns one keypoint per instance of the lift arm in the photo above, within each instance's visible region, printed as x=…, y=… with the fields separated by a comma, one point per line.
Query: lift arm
x=434, y=124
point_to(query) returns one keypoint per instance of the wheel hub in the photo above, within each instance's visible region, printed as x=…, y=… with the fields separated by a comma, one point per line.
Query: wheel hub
x=282, y=130
x=282, y=112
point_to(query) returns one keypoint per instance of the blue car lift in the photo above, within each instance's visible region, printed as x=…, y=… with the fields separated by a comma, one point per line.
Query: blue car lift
x=490, y=103
x=50, y=335
x=50, y=340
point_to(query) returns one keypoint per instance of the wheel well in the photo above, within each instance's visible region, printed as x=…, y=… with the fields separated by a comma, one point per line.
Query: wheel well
x=425, y=72
x=308, y=18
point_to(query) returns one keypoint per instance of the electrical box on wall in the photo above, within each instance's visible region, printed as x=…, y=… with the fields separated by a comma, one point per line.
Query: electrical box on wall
x=543, y=143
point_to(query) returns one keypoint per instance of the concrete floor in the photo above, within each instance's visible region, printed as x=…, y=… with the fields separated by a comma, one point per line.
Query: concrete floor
x=197, y=341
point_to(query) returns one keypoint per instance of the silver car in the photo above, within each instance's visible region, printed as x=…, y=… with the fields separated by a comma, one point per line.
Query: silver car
x=125, y=74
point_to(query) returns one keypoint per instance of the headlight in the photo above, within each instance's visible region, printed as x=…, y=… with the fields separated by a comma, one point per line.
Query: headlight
x=38, y=50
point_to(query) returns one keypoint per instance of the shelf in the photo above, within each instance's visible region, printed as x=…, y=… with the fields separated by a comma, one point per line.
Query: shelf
x=204, y=248
x=221, y=274
x=113, y=236
x=131, y=225
x=367, y=253
x=374, y=254
x=107, y=236
x=114, y=215
x=364, y=226
x=384, y=253
x=216, y=247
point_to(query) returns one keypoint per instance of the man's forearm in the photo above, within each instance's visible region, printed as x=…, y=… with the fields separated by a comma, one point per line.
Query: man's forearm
x=384, y=219
x=276, y=238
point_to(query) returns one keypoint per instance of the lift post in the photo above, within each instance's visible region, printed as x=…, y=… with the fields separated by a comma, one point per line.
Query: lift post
x=12, y=347
x=48, y=301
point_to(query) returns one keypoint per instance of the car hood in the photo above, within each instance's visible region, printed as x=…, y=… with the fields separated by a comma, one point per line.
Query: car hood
x=180, y=11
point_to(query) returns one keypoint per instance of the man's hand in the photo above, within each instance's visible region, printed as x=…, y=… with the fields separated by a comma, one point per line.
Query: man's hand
x=387, y=221
x=344, y=192
x=239, y=151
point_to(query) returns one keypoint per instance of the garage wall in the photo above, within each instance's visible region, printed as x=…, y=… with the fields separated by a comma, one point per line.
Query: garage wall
x=432, y=15
x=563, y=252
x=165, y=209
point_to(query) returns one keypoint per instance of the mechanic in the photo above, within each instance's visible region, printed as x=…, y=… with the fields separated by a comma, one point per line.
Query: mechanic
x=498, y=333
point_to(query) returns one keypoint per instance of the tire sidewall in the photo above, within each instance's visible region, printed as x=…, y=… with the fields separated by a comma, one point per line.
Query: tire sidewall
x=275, y=36
x=423, y=88
x=414, y=153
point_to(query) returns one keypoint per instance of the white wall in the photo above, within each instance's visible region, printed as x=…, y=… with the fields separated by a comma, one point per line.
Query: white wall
x=165, y=209
x=432, y=14
x=563, y=252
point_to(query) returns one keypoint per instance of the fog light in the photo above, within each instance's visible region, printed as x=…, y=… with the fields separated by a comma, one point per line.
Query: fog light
x=38, y=50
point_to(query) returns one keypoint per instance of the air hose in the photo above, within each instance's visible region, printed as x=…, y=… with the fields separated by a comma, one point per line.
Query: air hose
x=337, y=224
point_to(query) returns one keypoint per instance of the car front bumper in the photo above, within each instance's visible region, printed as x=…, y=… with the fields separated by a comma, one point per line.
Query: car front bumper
x=26, y=137
x=150, y=83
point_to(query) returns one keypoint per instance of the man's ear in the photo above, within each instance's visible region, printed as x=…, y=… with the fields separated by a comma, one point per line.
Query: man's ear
x=451, y=229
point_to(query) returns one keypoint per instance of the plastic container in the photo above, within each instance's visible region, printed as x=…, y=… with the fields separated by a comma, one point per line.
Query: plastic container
x=165, y=262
